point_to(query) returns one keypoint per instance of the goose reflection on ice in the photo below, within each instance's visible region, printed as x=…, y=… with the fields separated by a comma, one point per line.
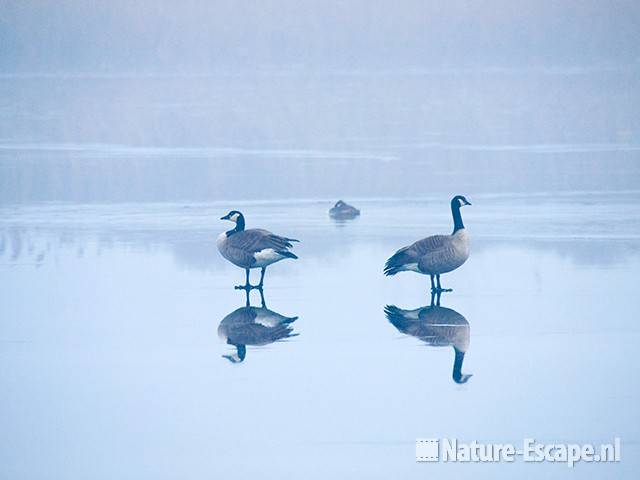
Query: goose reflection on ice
x=436, y=326
x=254, y=326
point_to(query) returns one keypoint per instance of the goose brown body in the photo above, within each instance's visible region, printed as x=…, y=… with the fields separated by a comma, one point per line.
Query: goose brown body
x=436, y=254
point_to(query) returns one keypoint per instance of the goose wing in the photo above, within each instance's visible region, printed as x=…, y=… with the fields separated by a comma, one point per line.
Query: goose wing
x=437, y=326
x=241, y=246
x=405, y=321
x=416, y=323
x=256, y=239
x=414, y=252
x=233, y=324
x=435, y=259
x=258, y=334
x=255, y=326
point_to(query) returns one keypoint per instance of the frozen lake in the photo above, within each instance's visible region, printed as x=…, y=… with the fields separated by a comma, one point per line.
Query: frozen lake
x=111, y=366
x=297, y=134
x=127, y=129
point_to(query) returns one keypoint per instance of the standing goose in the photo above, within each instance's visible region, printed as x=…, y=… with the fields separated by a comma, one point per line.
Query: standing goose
x=436, y=326
x=253, y=248
x=437, y=254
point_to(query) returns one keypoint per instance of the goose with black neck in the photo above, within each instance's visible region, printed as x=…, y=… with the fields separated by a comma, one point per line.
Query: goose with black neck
x=436, y=254
x=253, y=248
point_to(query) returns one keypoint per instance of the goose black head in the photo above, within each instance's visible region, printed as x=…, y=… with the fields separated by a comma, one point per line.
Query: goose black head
x=233, y=216
x=238, y=357
x=459, y=201
x=236, y=217
x=456, y=203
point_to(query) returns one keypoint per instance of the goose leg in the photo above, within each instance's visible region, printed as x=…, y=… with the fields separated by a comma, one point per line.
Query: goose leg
x=433, y=285
x=246, y=285
x=435, y=298
x=248, y=303
x=264, y=269
x=264, y=304
x=439, y=288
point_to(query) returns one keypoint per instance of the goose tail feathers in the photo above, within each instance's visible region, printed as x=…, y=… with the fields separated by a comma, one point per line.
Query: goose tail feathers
x=389, y=270
x=393, y=265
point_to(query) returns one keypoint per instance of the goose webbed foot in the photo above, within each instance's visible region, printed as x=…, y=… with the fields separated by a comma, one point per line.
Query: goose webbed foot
x=247, y=291
x=247, y=284
x=441, y=290
x=438, y=287
x=248, y=287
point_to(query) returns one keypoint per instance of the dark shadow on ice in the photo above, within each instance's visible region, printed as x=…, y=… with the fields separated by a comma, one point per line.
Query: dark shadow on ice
x=437, y=326
x=253, y=326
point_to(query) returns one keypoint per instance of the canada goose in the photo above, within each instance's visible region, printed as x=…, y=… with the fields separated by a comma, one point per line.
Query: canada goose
x=438, y=327
x=253, y=326
x=437, y=254
x=254, y=248
x=343, y=211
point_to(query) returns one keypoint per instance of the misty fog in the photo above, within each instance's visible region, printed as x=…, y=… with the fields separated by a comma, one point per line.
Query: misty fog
x=266, y=100
x=204, y=36
x=129, y=128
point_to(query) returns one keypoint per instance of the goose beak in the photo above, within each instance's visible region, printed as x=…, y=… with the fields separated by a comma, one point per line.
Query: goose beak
x=233, y=358
x=464, y=378
x=226, y=217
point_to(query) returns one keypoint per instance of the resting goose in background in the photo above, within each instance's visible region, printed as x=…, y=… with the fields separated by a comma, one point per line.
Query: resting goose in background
x=437, y=254
x=436, y=326
x=343, y=211
x=255, y=326
x=254, y=248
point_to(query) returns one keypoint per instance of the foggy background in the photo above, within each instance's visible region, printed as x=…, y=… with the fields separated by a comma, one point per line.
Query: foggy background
x=204, y=36
x=196, y=101
x=128, y=128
